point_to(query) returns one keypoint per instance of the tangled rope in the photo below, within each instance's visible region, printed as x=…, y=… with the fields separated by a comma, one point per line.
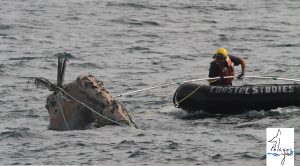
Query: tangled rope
x=97, y=113
x=62, y=111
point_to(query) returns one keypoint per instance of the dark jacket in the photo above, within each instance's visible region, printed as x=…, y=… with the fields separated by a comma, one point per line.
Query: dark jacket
x=223, y=70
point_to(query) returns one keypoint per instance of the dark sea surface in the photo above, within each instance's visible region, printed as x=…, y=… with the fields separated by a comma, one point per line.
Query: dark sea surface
x=135, y=44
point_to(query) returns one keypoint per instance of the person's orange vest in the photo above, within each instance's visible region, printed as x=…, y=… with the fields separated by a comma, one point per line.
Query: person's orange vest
x=227, y=70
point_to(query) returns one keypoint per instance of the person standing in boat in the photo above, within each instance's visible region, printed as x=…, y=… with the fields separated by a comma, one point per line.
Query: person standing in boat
x=223, y=66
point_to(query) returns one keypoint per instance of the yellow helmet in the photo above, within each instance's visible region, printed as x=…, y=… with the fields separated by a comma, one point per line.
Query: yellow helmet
x=222, y=51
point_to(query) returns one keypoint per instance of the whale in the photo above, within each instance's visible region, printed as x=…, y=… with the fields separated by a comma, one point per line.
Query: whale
x=81, y=104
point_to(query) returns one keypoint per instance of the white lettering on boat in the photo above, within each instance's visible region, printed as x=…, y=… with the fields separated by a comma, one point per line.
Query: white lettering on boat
x=247, y=91
x=211, y=90
x=291, y=89
x=253, y=90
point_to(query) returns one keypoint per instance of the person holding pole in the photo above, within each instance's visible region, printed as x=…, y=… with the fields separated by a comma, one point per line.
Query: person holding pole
x=223, y=66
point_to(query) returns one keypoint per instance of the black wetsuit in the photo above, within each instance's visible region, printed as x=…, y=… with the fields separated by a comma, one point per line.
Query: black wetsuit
x=214, y=70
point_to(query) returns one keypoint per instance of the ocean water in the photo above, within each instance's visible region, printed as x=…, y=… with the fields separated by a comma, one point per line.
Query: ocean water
x=135, y=44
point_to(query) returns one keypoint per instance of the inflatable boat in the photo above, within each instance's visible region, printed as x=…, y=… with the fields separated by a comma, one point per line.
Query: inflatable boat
x=193, y=97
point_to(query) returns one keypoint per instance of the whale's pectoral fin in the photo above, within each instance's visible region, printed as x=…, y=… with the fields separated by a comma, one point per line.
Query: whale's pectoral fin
x=41, y=82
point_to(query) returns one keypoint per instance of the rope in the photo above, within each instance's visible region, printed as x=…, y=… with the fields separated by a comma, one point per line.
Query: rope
x=177, y=104
x=169, y=84
x=202, y=79
x=189, y=95
x=62, y=112
x=141, y=90
x=90, y=108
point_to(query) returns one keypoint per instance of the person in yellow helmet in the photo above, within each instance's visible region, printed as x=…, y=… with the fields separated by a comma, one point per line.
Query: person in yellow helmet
x=223, y=65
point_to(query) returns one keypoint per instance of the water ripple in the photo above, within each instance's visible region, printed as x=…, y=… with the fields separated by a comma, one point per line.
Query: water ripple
x=136, y=22
x=14, y=133
x=284, y=45
x=5, y=27
x=86, y=65
x=23, y=58
x=137, y=153
x=130, y=5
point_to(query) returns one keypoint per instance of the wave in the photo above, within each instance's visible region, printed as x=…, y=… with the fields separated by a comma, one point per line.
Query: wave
x=4, y=35
x=217, y=157
x=2, y=66
x=130, y=5
x=246, y=116
x=151, y=35
x=228, y=8
x=257, y=28
x=137, y=48
x=248, y=155
x=1, y=70
x=192, y=7
x=71, y=18
x=284, y=45
x=136, y=22
x=24, y=58
x=196, y=115
x=14, y=133
x=86, y=65
x=137, y=153
x=210, y=21
x=248, y=137
x=4, y=27
x=200, y=9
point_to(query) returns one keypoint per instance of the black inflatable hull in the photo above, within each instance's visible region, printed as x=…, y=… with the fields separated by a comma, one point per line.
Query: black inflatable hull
x=235, y=99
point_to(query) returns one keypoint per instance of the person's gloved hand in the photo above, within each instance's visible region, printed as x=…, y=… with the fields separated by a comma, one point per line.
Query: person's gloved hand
x=240, y=76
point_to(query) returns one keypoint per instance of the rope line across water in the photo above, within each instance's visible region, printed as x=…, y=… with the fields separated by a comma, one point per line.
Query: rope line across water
x=202, y=79
x=169, y=84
